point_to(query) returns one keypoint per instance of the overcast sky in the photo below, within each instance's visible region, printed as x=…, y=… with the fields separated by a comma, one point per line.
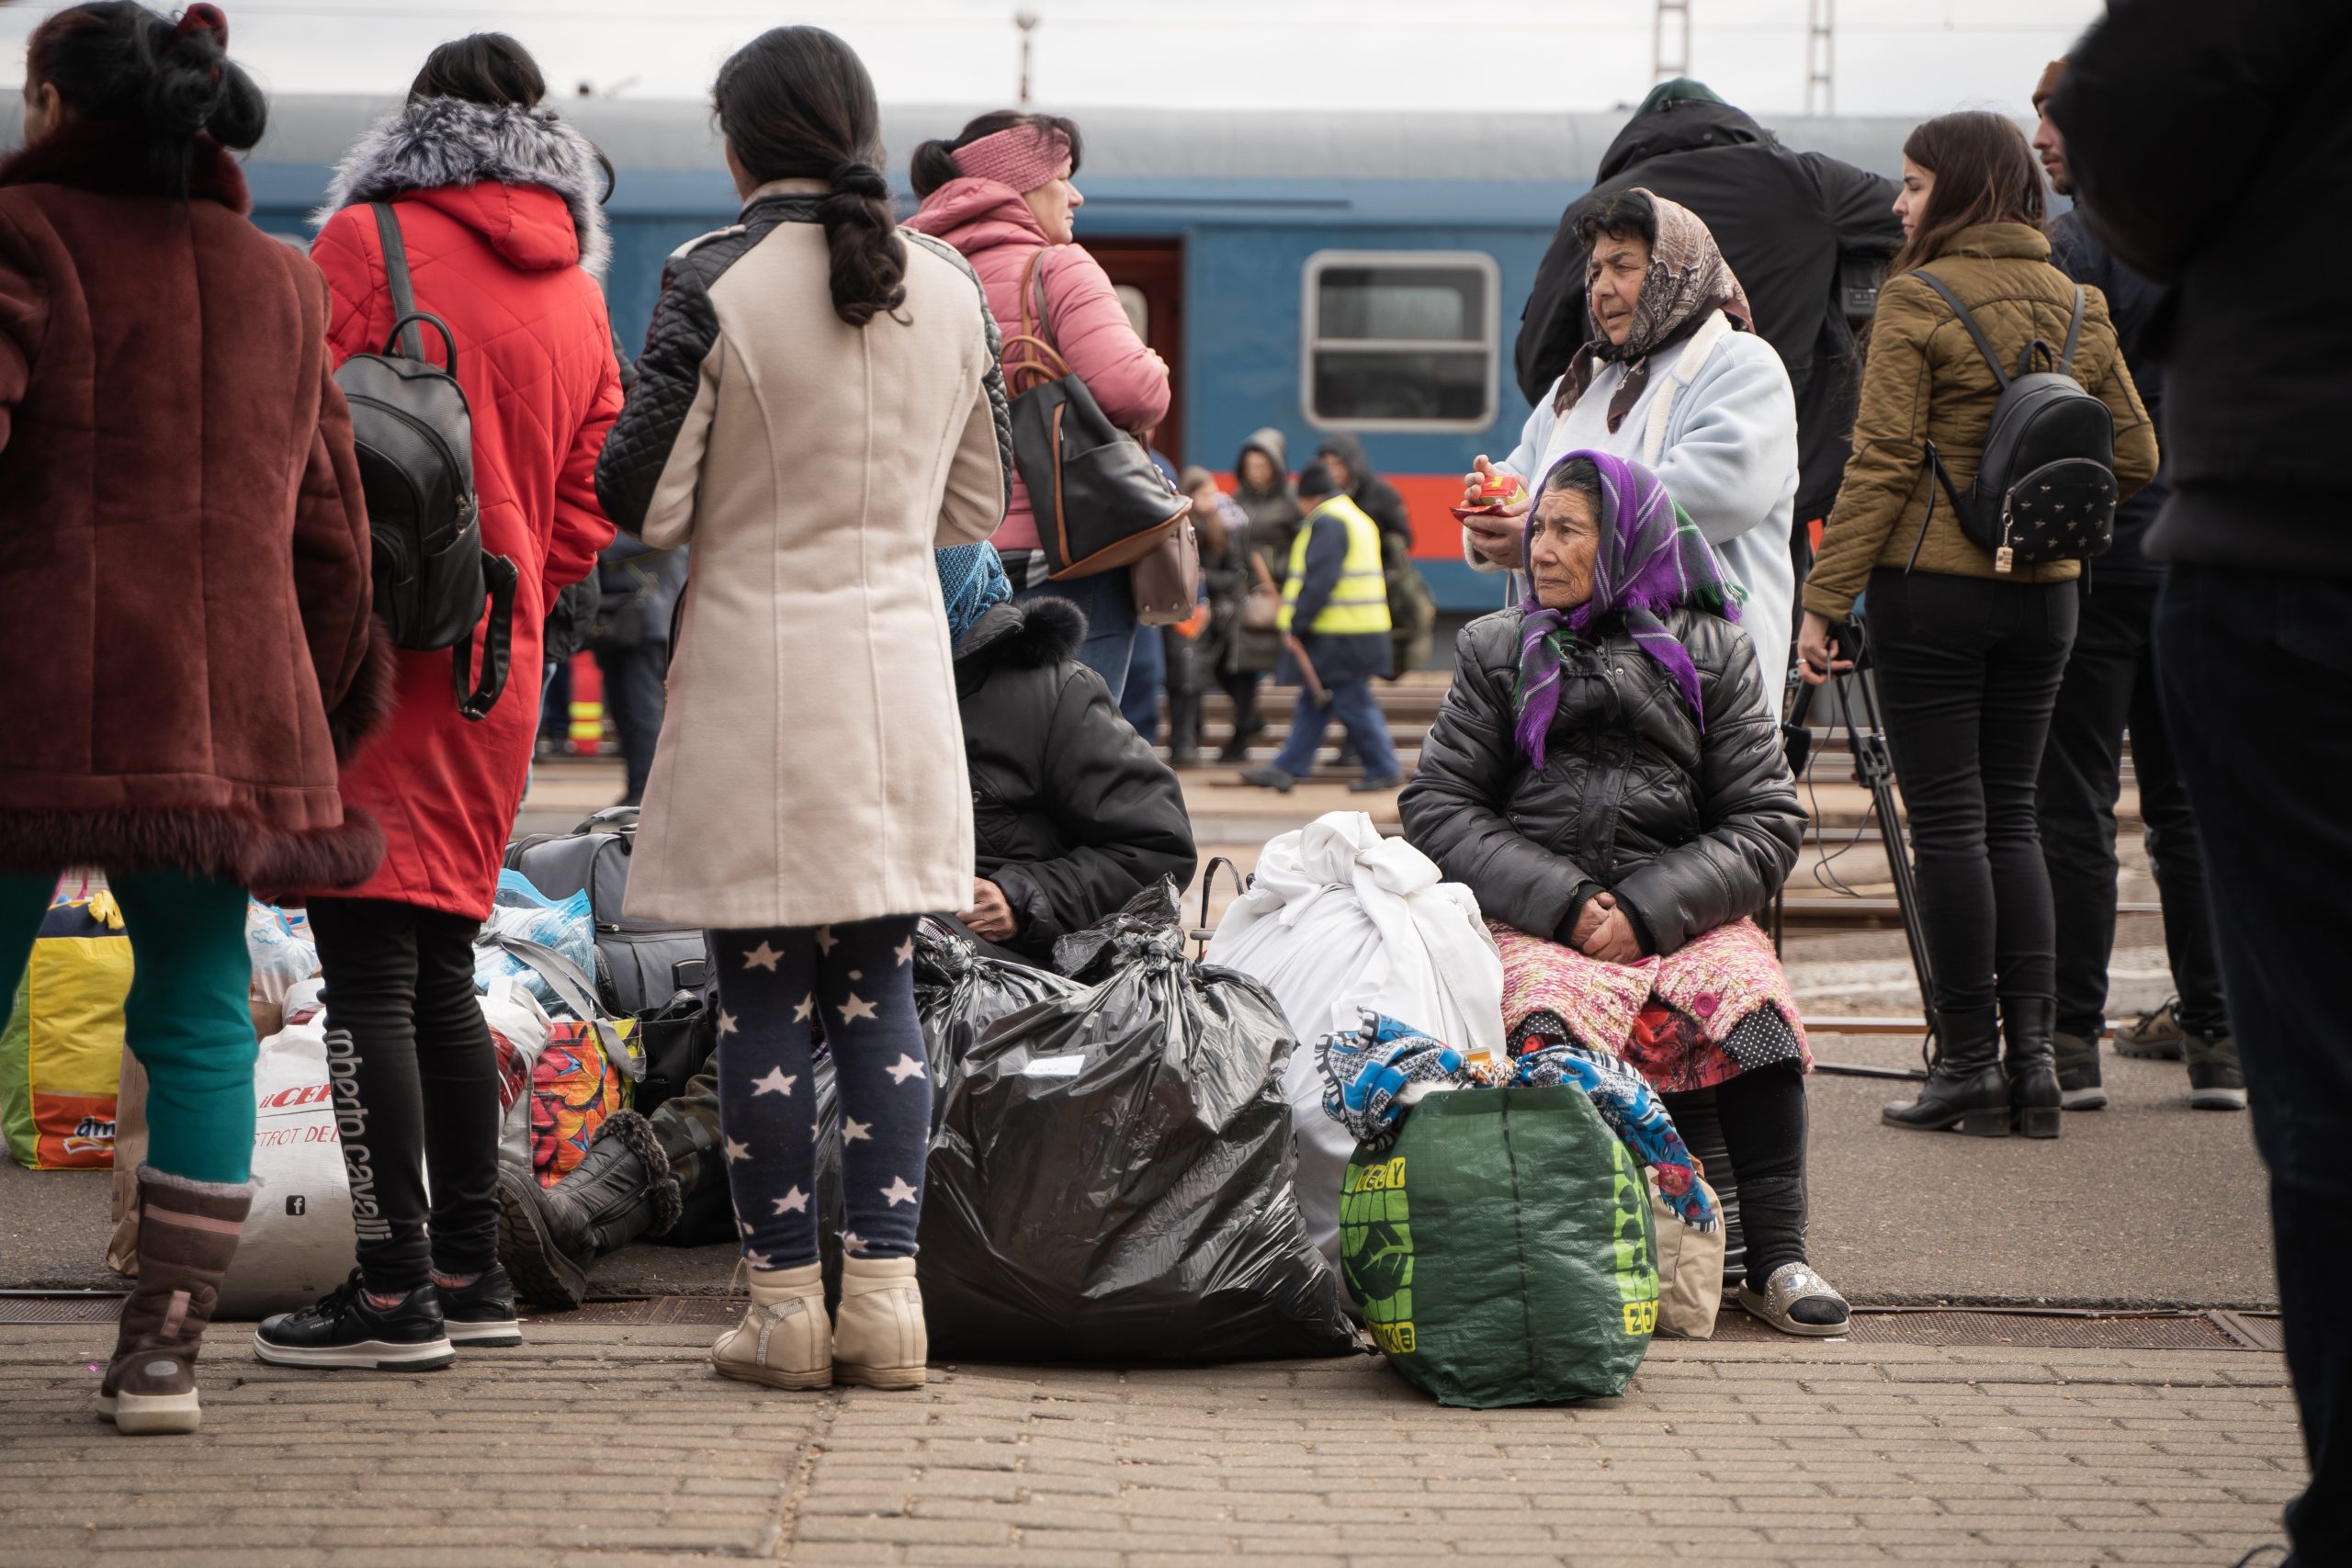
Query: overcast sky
x=1893, y=57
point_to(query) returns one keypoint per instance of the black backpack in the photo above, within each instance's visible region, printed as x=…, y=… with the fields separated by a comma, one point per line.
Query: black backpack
x=415, y=434
x=2045, y=489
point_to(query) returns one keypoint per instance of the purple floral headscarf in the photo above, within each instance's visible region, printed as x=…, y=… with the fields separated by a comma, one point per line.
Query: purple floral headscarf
x=1651, y=559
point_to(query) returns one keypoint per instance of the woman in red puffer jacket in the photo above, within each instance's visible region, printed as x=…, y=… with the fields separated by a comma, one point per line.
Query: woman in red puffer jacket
x=1000, y=193
x=498, y=204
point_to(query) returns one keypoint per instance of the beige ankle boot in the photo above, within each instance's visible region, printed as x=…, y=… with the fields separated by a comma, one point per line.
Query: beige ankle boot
x=785, y=1340
x=881, y=1341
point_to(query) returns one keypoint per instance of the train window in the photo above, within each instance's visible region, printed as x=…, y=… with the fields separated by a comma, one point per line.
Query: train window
x=1401, y=340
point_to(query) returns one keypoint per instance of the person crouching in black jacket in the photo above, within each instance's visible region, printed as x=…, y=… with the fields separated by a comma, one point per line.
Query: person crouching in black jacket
x=1073, y=816
x=1072, y=813
x=1607, y=777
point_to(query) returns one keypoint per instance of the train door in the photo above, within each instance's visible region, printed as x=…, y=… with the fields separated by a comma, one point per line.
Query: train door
x=1149, y=276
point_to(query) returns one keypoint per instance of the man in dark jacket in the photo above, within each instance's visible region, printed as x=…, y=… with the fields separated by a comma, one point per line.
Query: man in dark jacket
x=1790, y=224
x=2109, y=686
x=2190, y=130
x=1351, y=472
x=1072, y=817
x=1335, y=630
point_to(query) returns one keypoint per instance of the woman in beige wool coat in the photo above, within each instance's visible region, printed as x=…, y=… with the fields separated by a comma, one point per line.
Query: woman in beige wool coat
x=818, y=407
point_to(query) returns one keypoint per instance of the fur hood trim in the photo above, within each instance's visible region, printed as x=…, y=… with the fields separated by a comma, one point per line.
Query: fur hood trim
x=435, y=142
x=1035, y=634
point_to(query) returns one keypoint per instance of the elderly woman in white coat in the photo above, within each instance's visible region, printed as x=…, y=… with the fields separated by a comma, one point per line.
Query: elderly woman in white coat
x=1676, y=378
x=817, y=408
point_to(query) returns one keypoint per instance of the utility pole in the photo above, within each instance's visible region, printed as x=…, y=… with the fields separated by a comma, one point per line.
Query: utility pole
x=1672, y=59
x=1026, y=20
x=1820, y=58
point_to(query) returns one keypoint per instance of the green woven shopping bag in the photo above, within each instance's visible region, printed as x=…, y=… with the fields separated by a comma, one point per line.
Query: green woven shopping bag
x=1502, y=1248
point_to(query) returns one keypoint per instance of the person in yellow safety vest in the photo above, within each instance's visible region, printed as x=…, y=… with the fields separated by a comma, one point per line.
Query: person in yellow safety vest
x=1335, y=626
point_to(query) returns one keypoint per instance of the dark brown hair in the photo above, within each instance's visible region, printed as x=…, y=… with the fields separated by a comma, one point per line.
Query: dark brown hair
x=1623, y=214
x=1984, y=174
x=113, y=60
x=795, y=103
x=934, y=164
x=481, y=67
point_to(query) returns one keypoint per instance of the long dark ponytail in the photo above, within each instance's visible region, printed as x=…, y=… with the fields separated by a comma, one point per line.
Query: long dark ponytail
x=795, y=103
x=113, y=60
x=934, y=164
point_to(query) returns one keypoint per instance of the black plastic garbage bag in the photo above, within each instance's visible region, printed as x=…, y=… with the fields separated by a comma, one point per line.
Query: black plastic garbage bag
x=1111, y=1177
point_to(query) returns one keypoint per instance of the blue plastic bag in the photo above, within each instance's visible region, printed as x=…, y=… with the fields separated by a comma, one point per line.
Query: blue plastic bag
x=522, y=911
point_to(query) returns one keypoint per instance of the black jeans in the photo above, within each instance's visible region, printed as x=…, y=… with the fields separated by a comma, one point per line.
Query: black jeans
x=634, y=691
x=2256, y=673
x=2110, y=686
x=1968, y=670
x=415, y=1080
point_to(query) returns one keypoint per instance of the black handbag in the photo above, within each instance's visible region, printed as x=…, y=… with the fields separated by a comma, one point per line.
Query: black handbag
x=1099, y=500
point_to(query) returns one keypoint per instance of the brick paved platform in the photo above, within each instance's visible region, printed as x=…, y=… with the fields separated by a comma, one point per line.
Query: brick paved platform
x=607, y=1447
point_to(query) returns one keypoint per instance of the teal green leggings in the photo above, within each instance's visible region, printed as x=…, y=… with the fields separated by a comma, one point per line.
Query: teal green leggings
x=187, y=1019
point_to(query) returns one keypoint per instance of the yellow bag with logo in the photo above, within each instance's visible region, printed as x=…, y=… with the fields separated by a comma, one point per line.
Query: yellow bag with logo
x=61, y=1055
x=1502, y=1248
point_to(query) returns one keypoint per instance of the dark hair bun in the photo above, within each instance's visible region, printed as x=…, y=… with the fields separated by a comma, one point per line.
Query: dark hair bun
x=933, y=165
x=113, y=60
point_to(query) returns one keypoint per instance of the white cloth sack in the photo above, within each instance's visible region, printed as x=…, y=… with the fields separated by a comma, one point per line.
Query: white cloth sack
x=1339, y=920
x=297, y=1245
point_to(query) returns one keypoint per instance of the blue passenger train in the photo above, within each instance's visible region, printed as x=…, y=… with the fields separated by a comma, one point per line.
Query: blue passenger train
x=1316, y=272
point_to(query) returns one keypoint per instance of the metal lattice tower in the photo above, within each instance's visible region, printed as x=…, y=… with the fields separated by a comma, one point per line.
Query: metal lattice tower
x=1821, y=57
x=1672, y=40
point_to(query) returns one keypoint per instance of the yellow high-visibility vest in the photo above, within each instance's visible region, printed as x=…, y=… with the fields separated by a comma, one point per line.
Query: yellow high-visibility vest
x=1359, y=602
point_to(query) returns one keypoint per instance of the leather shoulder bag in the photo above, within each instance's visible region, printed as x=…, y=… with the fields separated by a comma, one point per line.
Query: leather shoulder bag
x=1099, y=500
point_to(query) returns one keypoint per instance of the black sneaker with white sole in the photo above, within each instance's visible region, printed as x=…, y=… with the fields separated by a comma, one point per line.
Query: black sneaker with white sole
x=2076, y=1060
x=482, y=1316
x=2215, y=1080
x=342, y=1330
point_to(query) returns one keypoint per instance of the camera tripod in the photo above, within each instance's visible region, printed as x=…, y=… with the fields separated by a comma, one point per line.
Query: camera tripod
x=1874, y=770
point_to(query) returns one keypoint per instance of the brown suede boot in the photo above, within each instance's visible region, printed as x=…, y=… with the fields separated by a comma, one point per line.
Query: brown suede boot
x=187, y=1233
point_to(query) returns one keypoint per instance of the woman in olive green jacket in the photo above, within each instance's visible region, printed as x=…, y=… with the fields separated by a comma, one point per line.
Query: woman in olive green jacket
x=1968, y=658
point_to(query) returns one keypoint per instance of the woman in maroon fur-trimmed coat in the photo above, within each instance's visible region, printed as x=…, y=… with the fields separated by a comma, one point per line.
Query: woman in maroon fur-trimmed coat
x=184, y=578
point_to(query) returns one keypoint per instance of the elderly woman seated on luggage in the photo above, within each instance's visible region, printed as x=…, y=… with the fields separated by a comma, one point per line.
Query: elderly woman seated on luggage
x=1607, y=777
x=1072, y=816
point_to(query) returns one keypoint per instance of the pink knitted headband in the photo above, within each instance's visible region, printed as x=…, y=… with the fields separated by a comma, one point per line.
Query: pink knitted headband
x=1025, y=157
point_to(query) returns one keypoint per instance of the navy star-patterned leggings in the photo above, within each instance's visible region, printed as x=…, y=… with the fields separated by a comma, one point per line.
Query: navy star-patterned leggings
x=771, y=985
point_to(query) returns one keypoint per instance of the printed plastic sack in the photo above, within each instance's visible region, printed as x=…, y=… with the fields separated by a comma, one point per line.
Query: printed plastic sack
x=519, y=1031
x=574, y=1086
x=296, y=1242
x=1111, y=1178
x=1502, y=1248
x=61, y=1055
x=522, y=911
x=1340, y=921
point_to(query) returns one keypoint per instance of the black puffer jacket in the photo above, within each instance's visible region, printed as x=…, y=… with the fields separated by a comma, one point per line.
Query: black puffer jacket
x=1691, y=832
x=1073, y=814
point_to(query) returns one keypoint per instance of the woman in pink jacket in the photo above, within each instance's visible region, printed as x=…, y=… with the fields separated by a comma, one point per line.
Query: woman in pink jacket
x=1000, y=193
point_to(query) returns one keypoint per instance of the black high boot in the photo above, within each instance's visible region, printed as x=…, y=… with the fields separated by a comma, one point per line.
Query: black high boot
x=1964, y=1087
x=2032, y=1066
x=548, y=1236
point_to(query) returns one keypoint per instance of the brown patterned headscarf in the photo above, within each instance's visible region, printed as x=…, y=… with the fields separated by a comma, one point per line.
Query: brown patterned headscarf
x=1687, y=281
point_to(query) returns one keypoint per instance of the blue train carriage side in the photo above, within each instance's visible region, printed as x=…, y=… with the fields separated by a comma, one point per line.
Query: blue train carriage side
x=1315, y=272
